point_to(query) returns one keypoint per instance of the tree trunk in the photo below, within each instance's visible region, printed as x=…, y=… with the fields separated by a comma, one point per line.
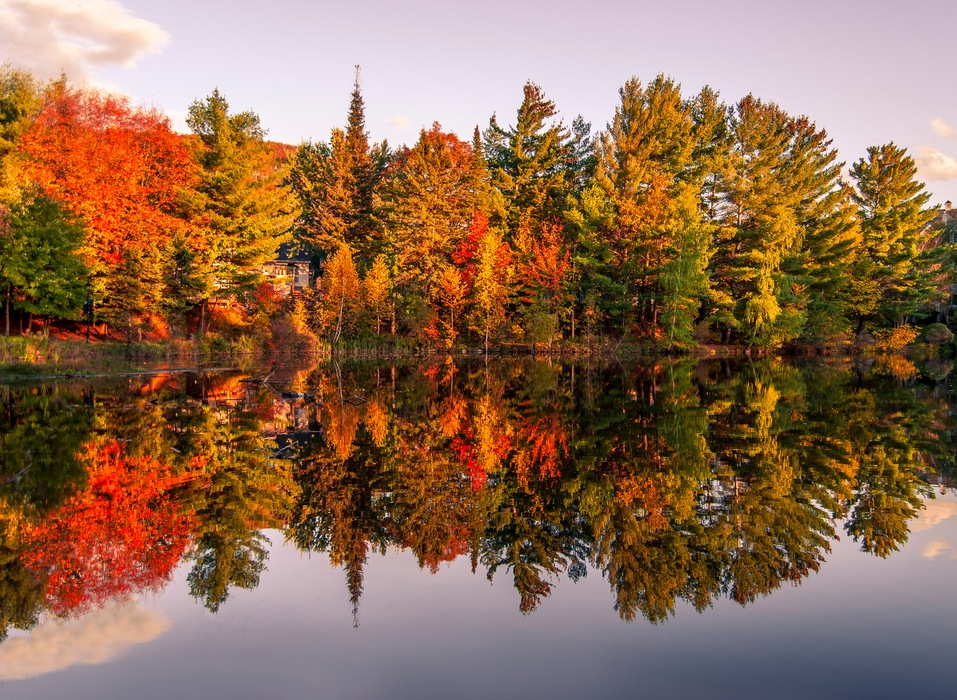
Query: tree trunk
x=342, y=304
x=8, y=310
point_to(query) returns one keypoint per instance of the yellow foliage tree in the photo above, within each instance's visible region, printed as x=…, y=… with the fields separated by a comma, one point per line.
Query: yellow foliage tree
x=450, y=293
x=377, y=288
x=491, y=287
x=340, y=294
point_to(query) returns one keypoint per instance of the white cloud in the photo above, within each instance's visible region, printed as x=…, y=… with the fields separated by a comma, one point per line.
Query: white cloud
x=401, y=122
x=75, y=37
x=93, y=639
x=934, y=165
x=943, y=129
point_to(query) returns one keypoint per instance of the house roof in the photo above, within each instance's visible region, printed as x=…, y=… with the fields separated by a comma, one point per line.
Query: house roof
x=288, y=253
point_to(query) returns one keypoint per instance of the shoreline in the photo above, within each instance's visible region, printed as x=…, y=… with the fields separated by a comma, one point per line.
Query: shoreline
x=35, y=358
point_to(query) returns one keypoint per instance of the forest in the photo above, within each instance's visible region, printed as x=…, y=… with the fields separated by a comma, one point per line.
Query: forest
x=688, y=221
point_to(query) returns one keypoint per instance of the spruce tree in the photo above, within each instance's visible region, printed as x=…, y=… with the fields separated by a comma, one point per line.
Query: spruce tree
x=338, y=185
x=41, y=271
x=483, y=197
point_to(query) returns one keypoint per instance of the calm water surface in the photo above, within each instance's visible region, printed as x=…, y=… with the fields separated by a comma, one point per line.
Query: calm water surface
x=517, y=529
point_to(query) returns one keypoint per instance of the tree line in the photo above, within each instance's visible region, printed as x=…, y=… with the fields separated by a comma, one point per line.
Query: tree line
x=687, y=220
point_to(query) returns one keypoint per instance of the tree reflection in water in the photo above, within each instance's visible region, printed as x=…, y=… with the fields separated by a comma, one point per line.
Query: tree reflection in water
x=675, y=481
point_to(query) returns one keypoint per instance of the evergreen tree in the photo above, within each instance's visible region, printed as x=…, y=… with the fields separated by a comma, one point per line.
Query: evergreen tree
x=529, y=162
x=188, y=278
x=136, y=292
x=777, y=187
x=482, y=196
x=831, y=244
x=241, y=205
x=338, y=188
x=894, y=269
x=659, y=243
x=367, y=166
x=323, y=183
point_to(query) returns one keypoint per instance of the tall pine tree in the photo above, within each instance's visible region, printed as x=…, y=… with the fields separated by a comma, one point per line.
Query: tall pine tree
x=895, y=267
x=240, y=205
x=530, y=161
x=338, y=188
x=659, y=242
x=775, y=191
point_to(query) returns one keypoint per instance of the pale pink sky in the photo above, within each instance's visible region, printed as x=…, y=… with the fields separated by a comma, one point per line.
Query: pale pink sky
x=868, y=72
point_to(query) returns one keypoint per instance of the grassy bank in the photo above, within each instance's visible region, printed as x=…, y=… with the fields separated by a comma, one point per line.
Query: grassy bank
x=36, y=355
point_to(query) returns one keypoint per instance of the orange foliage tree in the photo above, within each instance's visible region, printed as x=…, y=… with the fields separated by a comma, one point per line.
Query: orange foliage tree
x=122, y=170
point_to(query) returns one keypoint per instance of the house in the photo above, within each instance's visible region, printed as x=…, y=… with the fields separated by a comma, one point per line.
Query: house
x=291, y=272
x=944, y=228
x=945, y=222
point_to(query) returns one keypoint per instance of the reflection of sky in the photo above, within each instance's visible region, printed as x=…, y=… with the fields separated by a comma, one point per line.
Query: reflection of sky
x=935, y=516
x=92, y=639
x=862, y=627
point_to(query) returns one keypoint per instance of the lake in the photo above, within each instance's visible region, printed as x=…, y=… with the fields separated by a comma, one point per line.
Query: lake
x=517, y=529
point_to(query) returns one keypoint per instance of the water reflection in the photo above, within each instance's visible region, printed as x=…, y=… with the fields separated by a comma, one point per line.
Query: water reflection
x=675, y=481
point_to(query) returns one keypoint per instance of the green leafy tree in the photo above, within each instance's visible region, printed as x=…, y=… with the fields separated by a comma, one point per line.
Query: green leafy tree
x=41, y=271
x=20, y=102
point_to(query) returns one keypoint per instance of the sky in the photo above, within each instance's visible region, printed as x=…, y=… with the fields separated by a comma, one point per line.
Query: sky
x=867, y=72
